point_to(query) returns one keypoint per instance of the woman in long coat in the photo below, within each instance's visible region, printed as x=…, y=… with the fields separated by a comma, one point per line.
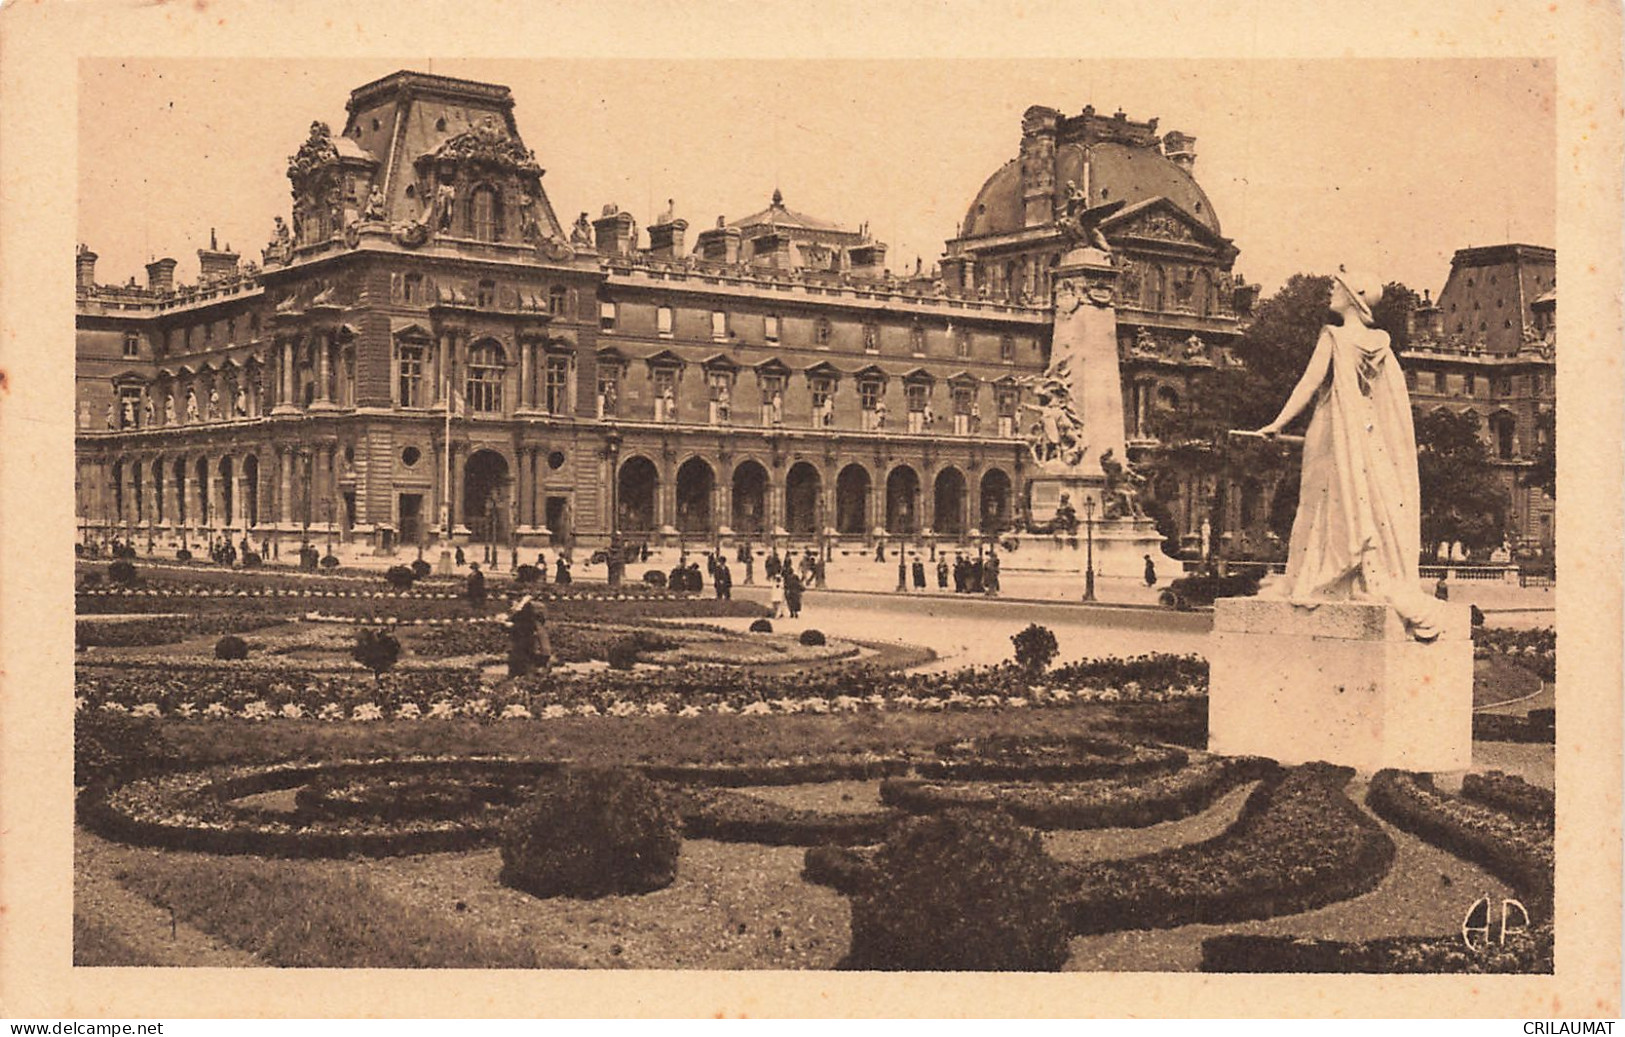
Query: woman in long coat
x=1357, y=533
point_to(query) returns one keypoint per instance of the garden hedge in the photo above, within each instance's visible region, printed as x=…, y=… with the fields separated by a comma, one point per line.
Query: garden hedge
x=1517, y=851
x=1511, y=794
x=1526, y=952
x=1136, y=801
x=592, y=832
x=712, y=813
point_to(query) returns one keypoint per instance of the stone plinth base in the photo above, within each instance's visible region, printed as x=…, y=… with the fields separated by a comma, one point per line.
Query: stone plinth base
x=1120, y=549
x=1342, y=682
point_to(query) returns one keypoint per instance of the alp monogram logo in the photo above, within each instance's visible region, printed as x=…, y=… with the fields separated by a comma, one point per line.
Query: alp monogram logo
x=1478, y=932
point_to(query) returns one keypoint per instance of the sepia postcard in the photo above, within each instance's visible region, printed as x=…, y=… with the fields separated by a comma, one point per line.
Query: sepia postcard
x=769, y=511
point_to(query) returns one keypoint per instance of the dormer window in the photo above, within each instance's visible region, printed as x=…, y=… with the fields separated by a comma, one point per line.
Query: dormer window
x=485, y=216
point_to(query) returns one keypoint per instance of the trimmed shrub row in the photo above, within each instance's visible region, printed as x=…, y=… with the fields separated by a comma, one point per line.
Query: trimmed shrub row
x=1526, y=952
x=1299, y=843
x=1537, y=726
x=779, y=772
x=1511, y=794
x=1515, y=850
x=844, y=869
x=1134, y=802
x=1049, y=759
x=711, y=813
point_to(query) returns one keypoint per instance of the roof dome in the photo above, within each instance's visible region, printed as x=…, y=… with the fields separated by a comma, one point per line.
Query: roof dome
x=1117, y=172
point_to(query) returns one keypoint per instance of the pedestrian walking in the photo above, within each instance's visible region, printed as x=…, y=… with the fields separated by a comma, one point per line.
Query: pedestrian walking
x=723, y=580
x=990, y=575
x=942, y=572
x=1150, y=572
x=772, y=566
x=529, y=645
x=476, y=586
x=792, y=593
x=775, y=596
x=462, y=559
x=561, y=574
x=919, y=573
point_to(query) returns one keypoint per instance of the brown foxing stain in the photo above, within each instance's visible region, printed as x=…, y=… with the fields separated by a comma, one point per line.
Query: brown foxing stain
x=5, y=382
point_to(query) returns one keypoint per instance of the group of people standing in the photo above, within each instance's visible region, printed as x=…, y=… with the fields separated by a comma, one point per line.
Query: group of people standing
x=979, y=575
x=784, y=593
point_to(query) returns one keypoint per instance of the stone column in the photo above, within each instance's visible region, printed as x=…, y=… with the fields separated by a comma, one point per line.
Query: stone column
x=526, y=370
x=457, y=517
x=323, y=340
x=521, y=485
x=775, y=503
x=284, y=489
x=722, y=512
x=538, y=495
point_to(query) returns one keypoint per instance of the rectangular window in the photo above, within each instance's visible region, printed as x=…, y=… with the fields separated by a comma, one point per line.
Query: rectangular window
x=231, y=329
x=663, y=321
x=871, y=338
x=821, y=333
x=555, y=300
x=719, y=324
x=412, y=288
x=208, y=333
x=1007, y=414
x=1439, y=382
x=916, y=340
x=606, y=316
x=770, y=330
x=1534, y=384
x=918, y=406
x=486, y=296
x=719, y=397
x=411, y=376
x=964, y=403
x=665, y=379
x=869, y=401
x=772, y=399
x=962, y=343
x=556, y=386
x=132, y=345
x=823, y=401
x=1469, y=384
x=609, y=390
x=129, y=407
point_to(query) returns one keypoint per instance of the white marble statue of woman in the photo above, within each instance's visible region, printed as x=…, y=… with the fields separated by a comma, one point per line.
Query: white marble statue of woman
x=1357, y=533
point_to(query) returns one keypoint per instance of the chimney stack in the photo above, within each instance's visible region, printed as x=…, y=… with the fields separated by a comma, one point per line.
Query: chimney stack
x=215, y=264
x=1180, y=149
x=666, y=237
x=161, y=275
x=615, y=232
x=84, y=266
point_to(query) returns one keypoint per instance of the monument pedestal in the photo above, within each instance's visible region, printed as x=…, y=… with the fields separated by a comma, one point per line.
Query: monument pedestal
x=1341, y=682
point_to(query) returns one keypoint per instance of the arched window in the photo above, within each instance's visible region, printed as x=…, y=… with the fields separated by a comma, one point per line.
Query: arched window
x=485, y=217
x=485, y=366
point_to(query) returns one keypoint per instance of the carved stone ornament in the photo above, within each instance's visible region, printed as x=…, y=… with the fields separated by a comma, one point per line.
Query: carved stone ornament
x=352, y=234
x=486, y=144
x=555, y=249
x=313, y=155
x=411, y=234
x=1163, y=226
x=1067, y=298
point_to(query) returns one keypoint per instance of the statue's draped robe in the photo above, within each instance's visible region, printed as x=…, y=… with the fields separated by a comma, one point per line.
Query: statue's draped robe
x=1357, y=533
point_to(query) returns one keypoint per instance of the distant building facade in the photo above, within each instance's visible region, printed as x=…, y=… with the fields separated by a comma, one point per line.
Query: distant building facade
x=771, y=379
x=1488, y=347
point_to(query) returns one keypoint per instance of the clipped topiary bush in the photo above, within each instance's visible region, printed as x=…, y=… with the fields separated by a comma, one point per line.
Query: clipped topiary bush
x=377, y=650
x=183, y=555
x=812, y=637
x=122, y=571
x=526, y=574
x=592, y=832
x=401, y=577
x=420, y=568
x=655, y=578
x=330, y=561
x=622, y=653
x=1035, y=648
x=761, y=626
x=252, y=560
x=231, y=647
x=963, y=890
x=110, y=746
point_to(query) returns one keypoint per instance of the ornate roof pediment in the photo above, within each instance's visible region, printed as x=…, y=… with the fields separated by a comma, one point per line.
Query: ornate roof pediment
x=1159, y=219
x=486, y=143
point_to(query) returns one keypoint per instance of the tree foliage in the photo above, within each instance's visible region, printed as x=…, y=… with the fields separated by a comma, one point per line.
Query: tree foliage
x=1462, y=499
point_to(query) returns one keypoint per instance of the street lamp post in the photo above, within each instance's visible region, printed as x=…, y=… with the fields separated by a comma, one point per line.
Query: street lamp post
x=615, y=564
x=1089, y=566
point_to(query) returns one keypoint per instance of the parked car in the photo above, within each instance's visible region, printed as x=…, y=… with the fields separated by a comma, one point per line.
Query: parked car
x=1202, y=589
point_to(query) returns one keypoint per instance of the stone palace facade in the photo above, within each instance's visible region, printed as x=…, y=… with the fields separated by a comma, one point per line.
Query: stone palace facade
x=765, y=376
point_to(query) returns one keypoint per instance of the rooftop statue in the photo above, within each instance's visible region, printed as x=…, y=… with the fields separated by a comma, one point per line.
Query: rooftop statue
x=1080, y=222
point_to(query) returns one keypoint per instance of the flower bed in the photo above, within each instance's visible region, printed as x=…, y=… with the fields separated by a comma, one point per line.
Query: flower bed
x=1514, y=849
x=1030, y=758
x=1535, y=650
x=1525, y=952
x=1511, y=794
x=193, y=810
x=165, y=630
x=1298, y=844
x=1135, y=801
x=711, y=813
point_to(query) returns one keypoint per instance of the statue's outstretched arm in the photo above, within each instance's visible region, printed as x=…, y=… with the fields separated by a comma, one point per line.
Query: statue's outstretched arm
x=1314, y=376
